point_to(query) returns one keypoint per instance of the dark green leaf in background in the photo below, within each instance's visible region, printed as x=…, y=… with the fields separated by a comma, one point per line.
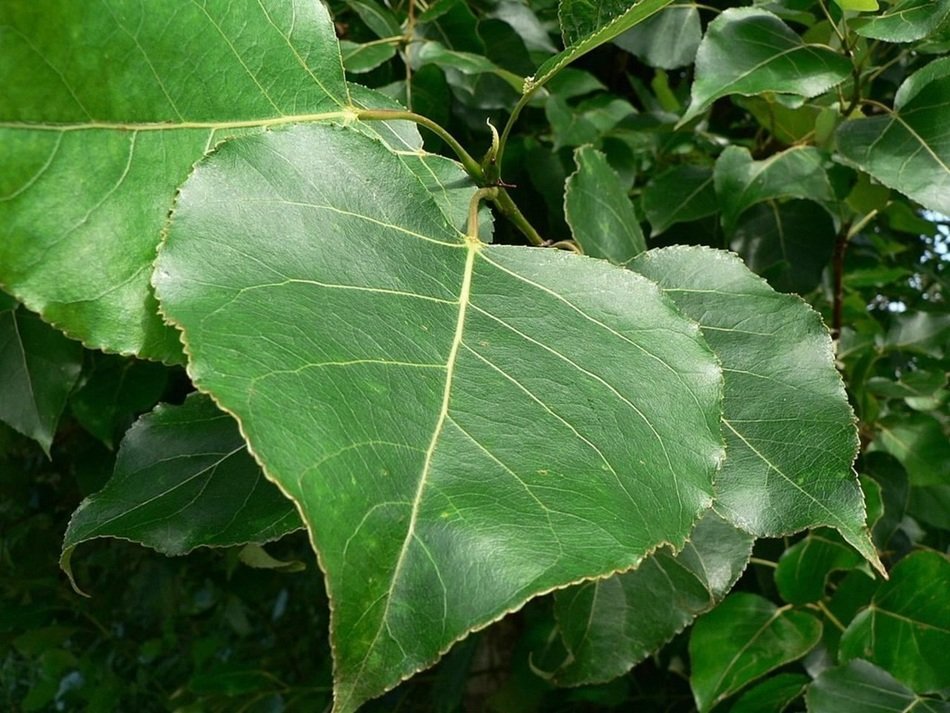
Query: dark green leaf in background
x=789, y=430
x=679, y=195
x=774, y=695
x=601, y=216
x=741, y=640
x=905, y=21
x=183, y=479
x=38, y=368
x=751, y=51
x=431, y=520
x=859, y=687
x=612, y=624
x=667, y=40
x=908, y=148
x=906, y=627
x=804, y=567
x=921, y=443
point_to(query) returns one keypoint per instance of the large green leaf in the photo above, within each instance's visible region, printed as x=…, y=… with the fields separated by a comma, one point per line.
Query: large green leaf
x=741, y=640
x=679, y=195
x=908, y=149
x=183, y=479
x=598, y=210
x=667, y=40
x=905, y=21
x=741, y=182
x=751, y=51
x=610, y=625
x=586, y=25
x=790, y=434
x=860, y=686
x=906, y=627
x=463, y=426
x=38, y=368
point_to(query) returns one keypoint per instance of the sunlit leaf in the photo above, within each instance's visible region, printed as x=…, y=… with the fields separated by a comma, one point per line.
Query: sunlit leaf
x=430, y=520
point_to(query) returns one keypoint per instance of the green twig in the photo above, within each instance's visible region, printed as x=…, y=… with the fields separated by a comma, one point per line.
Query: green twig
x=477, y=197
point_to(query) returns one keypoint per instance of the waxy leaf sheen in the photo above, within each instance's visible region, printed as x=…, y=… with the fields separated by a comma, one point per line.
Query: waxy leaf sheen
x=463, y=426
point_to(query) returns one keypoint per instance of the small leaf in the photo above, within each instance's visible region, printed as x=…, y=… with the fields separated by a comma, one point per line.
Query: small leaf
x=254, y=555
x=774, y=695
x=904, y=21
x=379, y=19
x=906, y=627
x=679, y=195
x=787, y=467
x=907, y=149
x=858, y=5
x=922, y=332
x=920, y=442
x=802, y=572
x=859, y=687
x=359, y=59
x=741, y=640
x=741, y=182
x=429, y=519
x=38, y=368
x=751, y=51
x=667, y=40
x=598, y=210
x=612, y=624
x=183, y=479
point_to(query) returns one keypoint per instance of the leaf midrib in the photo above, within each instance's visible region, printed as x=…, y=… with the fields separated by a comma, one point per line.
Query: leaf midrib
x=345, y=114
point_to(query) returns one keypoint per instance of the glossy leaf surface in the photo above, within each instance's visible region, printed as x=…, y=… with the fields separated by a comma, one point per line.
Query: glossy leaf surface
x=859, y=686
x=38, y=368
x=598, y=210
x=785, y=470
x=430, y=520
x=183, y=479
x=906, y=627
x=667, y=40
x=905, y=21
x=751, y=51
x=741, y=640
x=612, y=624
x=908, y=149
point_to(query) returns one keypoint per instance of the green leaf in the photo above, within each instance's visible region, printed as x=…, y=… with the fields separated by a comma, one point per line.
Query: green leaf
x=907, y=149
x=751, y=51
x=906, y=627
x=803, y=570
x=612, y=624
x=920, y=442
x=858, y=5
x=667, y=40
x=860, y=686
x=359, y=59
x=774, y=695
x=588, y=26
x=38, y=368
x=788, y=467
x=377, y=18
x=904, y=21
x=586, y=123
x=741, y=640
x=679, y=195
x=465, y=62
x=922, y=332
x=183, y=479
x=891, y=476
x=110, y=104
x=787, y=243
x=598, y=210
x=116, y=391
x=741, y=182
x=430, y=520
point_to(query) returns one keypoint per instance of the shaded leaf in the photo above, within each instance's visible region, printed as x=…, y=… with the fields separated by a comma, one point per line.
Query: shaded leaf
x=379, y=19
x=183, y=479
x=787, y=243
x=362, y=58
x=679, y=195
x=774, y=695
x=38, y=368
x=859, y=686
x=751, y=51
x=598, y=210
x=921, y=443
x=907, y=149
x=741, y=640
x=741, y=182
x=924, y=332
x=802, y=572
x=612, y=624
x=667, y=40
x=431, y=520
x=788, y=467
x=906, y=627
x=905, y=21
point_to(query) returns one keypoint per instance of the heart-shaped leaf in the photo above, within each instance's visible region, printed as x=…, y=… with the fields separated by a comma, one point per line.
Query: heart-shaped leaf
x=183, y=479
x=908, y=149
x=751, y=51
x=370, y=352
